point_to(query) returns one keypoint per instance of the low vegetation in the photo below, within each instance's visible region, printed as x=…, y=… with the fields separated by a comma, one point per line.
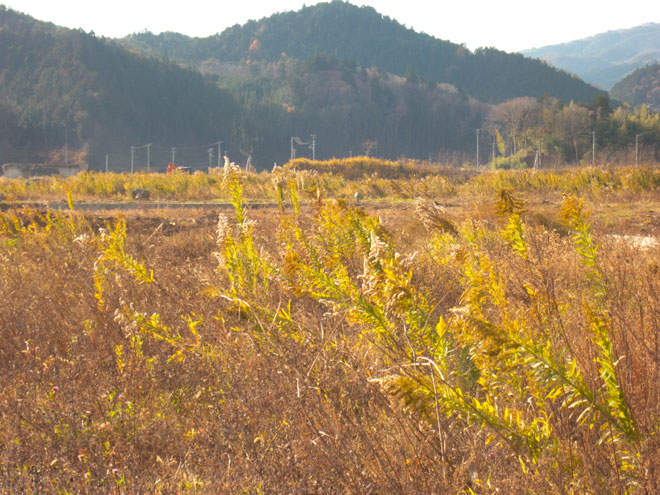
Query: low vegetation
x=489, y=336
x=374, y=179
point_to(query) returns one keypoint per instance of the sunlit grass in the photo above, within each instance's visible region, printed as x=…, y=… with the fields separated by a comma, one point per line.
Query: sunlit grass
x=495, y=342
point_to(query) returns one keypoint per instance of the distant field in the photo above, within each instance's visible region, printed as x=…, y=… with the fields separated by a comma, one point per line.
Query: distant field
x=372, y=178
x=457, y=332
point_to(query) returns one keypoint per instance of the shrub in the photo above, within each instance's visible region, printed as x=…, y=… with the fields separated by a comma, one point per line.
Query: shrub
x=516, y=161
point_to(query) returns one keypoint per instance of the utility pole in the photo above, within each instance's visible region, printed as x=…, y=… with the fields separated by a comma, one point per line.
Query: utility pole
x=477, y=147
x=492, y=160
x=173, y=154
x=132, y=155
x=66, y=146
x=210, y=157
x=593, y=149
x=313, y=147
x=219, y=154
x=148, y=156
x=106, y=164
x=536, y=160
x=300, y=142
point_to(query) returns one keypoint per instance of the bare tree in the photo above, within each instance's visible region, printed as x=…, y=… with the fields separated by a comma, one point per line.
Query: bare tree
x=369, y=147
x=512, y=118
x=572, y=122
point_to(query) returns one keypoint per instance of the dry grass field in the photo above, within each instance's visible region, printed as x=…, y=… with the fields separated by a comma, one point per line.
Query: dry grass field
x=458, y=333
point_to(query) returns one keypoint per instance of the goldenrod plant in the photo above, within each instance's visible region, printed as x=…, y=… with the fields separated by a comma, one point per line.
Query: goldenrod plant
x=495, y=335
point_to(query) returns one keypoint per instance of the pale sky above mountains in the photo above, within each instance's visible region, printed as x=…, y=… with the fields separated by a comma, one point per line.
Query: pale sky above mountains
x=509, y=25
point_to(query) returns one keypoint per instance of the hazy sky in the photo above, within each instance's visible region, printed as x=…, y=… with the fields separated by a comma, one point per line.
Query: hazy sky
x=505, y=24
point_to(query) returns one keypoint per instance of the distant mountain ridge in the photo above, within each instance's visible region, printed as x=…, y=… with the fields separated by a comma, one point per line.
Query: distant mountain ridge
x=606, y=58
x=369, y=39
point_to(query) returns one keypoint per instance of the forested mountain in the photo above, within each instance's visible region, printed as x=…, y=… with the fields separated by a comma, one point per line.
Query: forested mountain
x=62, y=87
x=65, y=85
x=606, y=58
x=352, y=110
x=368, y=39
x=642, y=86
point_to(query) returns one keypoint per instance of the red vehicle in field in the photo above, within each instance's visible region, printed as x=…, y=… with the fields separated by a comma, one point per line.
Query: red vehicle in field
x=174, y=168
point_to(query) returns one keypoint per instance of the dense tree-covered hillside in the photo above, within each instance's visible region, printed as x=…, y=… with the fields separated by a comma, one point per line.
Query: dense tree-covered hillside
x=62, y=87
x=79, y=88
x=642, y=86
x=368, y=39
x=351, y=110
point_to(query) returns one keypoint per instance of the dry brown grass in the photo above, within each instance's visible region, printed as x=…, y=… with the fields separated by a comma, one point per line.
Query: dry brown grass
x=288, y=391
